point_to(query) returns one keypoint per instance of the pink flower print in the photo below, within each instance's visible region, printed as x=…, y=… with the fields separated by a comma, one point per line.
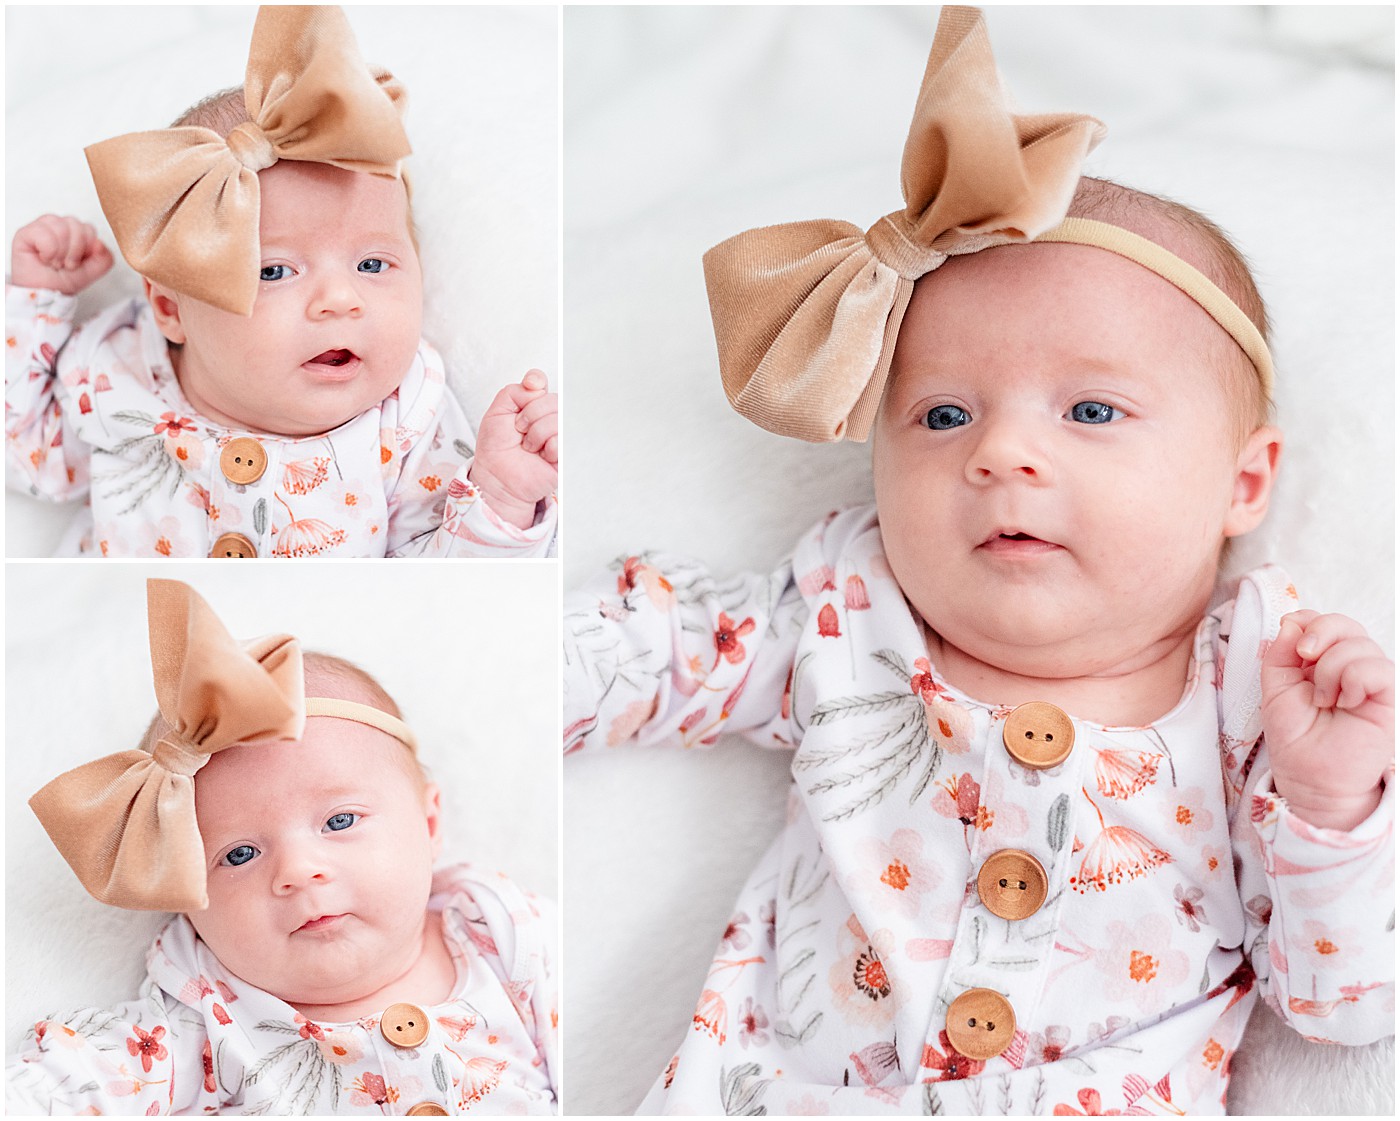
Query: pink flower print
x=1047, y=1046
x=858, y=978
x=340, y=1047
x=734, y=934
x=893, y=873
x=1186, y=813
x=1109, y=1028
x=1188, y=906
x=768, y=916
x=949, y=723
x=1121, y=774
x=101, y=384
x=828, y=626
x=1139, y=964
x=147, y=1046
x=727, y=636
x=221, y=1015
x=946, y=1064
x=857, y=598
x=627, y=723
x=961, y=797
x=457, y=1026
x=659, y=590
x=167, y=540
x=185, y=448
x=752, y=1021
x=483, y=1074
x=1091, y=1102
x=1214, y=861
x=84, y=404
x=227, y=993
x=711, y=1016
x=302, y=476
x=172, y=425
x=210, y=1086
x=1326, y=947
x=875, y=1063
x=808, y=1106
x=924, y=683
x=1115, y=855
x=370, y=1089
x=1009, y=820
x=306, y=1029
x=819, y=580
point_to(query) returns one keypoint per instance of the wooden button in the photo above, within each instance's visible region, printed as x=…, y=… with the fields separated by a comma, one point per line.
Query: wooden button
x=233, y=545
x=427, y=1109
x=243, y=460
x=1012, y=884
x=980, y=1024
x=1038, y=735
x=404, y=1025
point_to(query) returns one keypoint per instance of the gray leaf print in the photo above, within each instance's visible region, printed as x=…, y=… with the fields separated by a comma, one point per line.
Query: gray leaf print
x=1057, y=826
x=260, y=517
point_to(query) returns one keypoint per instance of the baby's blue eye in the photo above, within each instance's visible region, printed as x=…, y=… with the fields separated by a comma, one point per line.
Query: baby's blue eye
x=1093, y=412
x=942, y=417
x=338, y=822
x=239, y=854
x=274, y=272
x=374, y=265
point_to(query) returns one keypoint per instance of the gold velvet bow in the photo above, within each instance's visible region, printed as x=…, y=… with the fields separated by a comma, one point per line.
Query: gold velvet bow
x=183, y=202
x=126, y=823
x=806, y=314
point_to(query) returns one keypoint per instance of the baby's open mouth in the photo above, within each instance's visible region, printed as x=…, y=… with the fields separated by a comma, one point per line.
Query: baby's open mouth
x=332, y=358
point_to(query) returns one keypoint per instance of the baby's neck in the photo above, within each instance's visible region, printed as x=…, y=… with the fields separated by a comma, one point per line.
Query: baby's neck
x=428, y=981
x=1133, y=694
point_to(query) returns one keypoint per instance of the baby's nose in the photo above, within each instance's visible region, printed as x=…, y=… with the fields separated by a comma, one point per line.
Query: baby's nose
x=336, y=295
x=1007, y=449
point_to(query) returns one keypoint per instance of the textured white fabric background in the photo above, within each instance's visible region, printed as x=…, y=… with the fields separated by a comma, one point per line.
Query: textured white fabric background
x=468, y=651
x=482, y=117
x=684, y=126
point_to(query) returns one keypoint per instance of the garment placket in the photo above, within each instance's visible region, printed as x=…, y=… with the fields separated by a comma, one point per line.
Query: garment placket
x=999, y=964
x=242, y=479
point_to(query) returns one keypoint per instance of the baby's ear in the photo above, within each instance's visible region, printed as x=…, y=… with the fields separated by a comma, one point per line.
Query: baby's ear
x=432, y=809
x=1255, y=472
x=166, y=306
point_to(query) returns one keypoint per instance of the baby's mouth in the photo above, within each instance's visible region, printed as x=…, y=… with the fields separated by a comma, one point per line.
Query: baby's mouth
x=338, y=357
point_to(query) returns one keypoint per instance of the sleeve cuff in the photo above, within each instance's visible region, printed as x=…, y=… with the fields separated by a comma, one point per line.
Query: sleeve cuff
x=1296, y=840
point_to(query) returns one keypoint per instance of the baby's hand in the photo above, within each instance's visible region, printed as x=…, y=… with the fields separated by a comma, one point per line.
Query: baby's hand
x=517, y=449
x=62, y=254
x=1329, y=717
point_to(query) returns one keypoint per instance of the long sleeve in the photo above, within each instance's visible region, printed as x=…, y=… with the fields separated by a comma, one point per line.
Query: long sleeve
x=434, y=509
x=1319, y=903
x=146, y=1056
x=659, y=649
x=44, y=454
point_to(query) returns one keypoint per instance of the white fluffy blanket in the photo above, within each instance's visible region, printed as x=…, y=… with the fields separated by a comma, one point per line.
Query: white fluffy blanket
x=683, y=126
x=483, y=86
x=461, y=647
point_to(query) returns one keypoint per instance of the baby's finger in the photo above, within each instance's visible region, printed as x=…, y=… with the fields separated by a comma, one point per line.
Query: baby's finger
x=541, y=406
x=80, y=237
x=1370, y=679
x=1328, y=670
x=43, y=238
x=1283, y=651
x=1322, y=631
x=541, y=432
x=550, y=452
x=535, y=379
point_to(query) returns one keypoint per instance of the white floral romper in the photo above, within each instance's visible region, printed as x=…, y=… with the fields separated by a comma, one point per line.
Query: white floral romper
x=1091, y=932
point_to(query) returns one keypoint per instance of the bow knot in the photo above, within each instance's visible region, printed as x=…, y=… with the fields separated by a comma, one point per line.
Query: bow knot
x=251, y=147
x=890, y=241
x=178, y=755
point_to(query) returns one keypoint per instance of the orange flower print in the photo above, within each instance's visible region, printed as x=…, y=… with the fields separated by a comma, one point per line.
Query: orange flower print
x=1115, y=855
x=1212, y=1054
x=483, y=1075
x=302, y=476
x=430, y=483
x=457, y=1026
x=828, y=625
x=1139, y=964
x=163, y=546
x=893, y=873
x=147, y=1046
x=385, y=455
x=1326, y=947
x=711, y=1016
x=306, y=538
x=1121, y=774
x=859, y=980
x=340, y=1047
x=1187, y=814
x=727, y=636
x=869, y=976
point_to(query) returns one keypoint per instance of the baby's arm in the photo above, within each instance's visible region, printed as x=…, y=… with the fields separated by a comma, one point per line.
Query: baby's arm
x=658, y=649
x=143, y=1057
x=435, y=509
x=1316, y=882
x=51, y=260
x=517, y=450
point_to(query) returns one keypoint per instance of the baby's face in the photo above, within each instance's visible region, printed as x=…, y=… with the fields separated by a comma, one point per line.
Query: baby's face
x=319, y=856
x=338, y=314
x=1055, y=464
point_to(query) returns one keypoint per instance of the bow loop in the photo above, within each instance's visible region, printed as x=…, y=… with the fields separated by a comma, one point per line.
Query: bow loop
x=183, y=203
x=126, y=823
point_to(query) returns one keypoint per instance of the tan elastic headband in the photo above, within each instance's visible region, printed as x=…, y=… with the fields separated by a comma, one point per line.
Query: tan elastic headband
x=363, y=714
x=806, y=314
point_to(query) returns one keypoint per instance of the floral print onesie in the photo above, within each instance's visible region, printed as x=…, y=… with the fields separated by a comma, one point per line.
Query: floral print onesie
x=1091, y=928
x=96, y=411
x=200, y=1040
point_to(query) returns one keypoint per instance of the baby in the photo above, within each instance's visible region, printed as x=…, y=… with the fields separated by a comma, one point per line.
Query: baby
x=272, y=395
x=321, y=965
x=1055, y=822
